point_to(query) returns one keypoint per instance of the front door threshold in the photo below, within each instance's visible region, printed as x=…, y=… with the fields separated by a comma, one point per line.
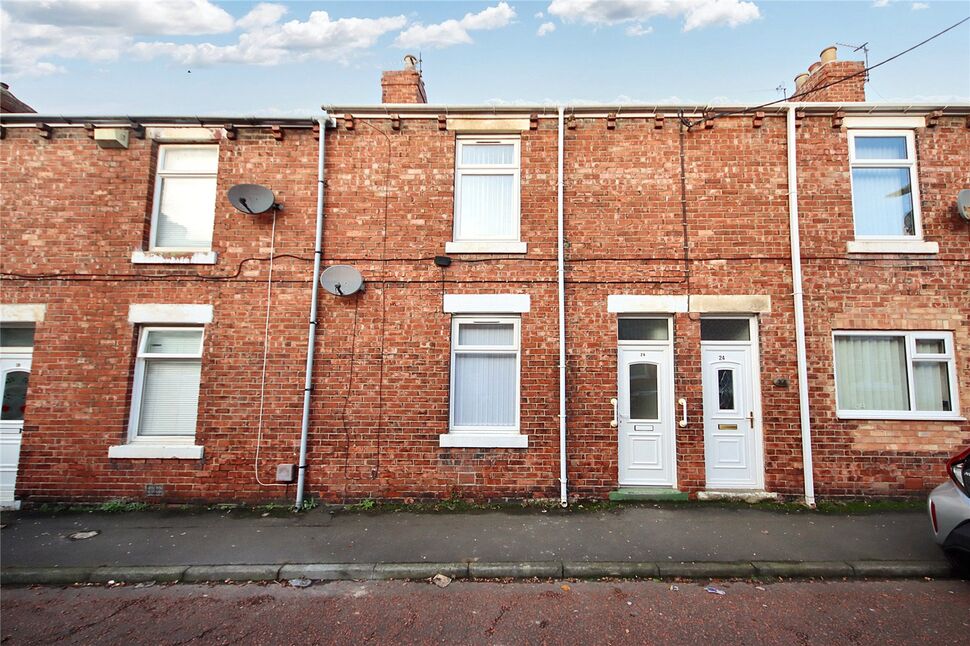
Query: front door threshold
x=647, y=494
x=739, y=495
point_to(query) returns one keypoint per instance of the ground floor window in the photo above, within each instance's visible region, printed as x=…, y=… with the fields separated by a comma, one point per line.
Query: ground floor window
x=165, y=395
x=895, y=375
x=485, y=374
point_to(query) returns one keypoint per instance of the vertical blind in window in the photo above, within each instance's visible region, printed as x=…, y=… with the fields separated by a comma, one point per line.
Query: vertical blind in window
x=185, y=197
x=883, y=175
x=487, y=190
x=170, y=397
x=871, y=372
x=170, y=369
x=485, y=376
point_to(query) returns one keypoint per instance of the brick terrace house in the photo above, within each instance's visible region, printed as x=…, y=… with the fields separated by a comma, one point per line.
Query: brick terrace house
x=165, y=333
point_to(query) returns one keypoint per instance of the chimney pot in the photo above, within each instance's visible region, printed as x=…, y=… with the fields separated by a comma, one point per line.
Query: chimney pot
x=828, y=54
x=814, y=66
x=800, y=80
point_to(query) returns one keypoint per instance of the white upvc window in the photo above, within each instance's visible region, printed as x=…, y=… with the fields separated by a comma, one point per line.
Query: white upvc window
x=485, y=375
x=165, y=393
x=895, y=375
x=885, y=185
x=487, y=177
x=183, y=207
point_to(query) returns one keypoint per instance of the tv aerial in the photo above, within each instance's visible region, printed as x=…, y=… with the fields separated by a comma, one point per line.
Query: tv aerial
x=252, y=199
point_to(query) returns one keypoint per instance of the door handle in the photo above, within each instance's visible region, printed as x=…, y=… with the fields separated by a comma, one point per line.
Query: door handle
x=751, y=419
x=683, y=419
x=615, y=421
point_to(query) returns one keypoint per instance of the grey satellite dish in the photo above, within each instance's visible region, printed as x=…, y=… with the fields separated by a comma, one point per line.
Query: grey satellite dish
x=252, y=199
x=963, y=204
x=342, y=280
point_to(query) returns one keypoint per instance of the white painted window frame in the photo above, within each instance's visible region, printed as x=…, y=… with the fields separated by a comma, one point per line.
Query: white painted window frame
x=160, y=176
x=910, y=338
x=516, y=348
x=909, y=163
x=138, y=384
x=515, y=170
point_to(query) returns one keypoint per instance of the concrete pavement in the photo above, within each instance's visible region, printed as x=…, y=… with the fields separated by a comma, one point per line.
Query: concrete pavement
x=653, y=540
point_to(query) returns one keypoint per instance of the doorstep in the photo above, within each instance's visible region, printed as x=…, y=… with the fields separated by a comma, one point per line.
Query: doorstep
x=647, y=494
x=739, y=495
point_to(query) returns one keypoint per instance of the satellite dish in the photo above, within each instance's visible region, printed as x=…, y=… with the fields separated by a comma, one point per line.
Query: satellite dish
x=341, y=280
x=252, y=199
x=963, y=204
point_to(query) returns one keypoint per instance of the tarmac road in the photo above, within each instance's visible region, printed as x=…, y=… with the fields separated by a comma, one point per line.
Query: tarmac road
x=575, y=613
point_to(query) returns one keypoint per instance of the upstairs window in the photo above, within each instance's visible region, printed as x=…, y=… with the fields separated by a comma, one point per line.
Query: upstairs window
x=185, y=198
x=165, y=397
x=895, y=375
x=487, y=176
x=885, y=191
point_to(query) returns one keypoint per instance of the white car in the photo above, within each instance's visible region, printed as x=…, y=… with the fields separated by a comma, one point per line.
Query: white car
x=949, y=508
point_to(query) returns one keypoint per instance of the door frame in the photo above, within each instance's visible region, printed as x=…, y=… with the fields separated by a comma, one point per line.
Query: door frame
x=16, y=354
x=754, y=343
x=665, y=407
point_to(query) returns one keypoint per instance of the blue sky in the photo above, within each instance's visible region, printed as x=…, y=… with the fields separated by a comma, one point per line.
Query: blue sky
x=288, y=58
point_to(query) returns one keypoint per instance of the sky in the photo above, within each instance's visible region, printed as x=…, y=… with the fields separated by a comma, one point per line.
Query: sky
x=203, y=57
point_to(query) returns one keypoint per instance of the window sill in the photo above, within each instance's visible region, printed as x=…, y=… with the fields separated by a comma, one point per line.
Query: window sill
x=892, y=246
x=156, y=451
x=174, y=257
x=484, y=440
x=900, y=418
x=486, y=247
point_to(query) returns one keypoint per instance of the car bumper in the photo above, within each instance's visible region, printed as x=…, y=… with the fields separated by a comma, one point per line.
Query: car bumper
x=952, y=508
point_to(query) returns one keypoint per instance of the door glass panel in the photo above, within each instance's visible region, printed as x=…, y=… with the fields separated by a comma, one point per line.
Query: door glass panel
x=643, y=391
x=642, y=329
x=14, y=395
x=725, y=389
x=16, y=336
x=725, y=330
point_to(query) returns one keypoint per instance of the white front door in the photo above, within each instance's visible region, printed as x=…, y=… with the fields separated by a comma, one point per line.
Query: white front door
x=732, y=445
x=14, y=373
x=645, y=417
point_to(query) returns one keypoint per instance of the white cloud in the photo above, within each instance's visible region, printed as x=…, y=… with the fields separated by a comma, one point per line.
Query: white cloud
x=637, y=29
x=262, y=15
x=42, y=37
x=880, y=3
x=317, y=38
x=171, y=17
x=455, y=32
x=538, y=15
x=919, y=6
x=546, y=28
x=696, y=13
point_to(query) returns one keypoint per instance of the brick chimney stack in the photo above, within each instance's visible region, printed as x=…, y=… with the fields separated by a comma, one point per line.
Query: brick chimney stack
x=10, y=103
x=826, y=70
x=403, y=86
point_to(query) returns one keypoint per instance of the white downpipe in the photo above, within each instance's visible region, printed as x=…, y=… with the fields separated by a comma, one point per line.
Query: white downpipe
x=312, y=334
x=796, y=273
x=563, y=494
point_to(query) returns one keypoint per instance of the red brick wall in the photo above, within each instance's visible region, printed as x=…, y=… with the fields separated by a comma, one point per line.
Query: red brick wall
x=381, y=379
x=894, y=292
